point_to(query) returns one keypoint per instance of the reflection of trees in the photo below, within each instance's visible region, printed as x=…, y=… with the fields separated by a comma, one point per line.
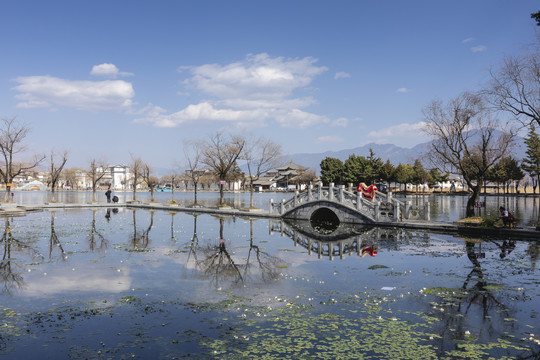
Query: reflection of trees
x=533, y=251
x=172, y=213
x=95, y=236
x=218, y=263
x=53, y=240
x=140, y=239
x=194, y=243
x=475, y=299
x=266, y=263
x=9, y=278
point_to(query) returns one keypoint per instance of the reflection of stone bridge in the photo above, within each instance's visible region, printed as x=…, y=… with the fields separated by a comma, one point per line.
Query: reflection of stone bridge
x=348, y=206
x=346, y=240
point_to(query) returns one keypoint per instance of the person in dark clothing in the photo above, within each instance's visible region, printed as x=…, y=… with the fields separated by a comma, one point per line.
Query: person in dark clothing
x=507, y=217
x=108, y=194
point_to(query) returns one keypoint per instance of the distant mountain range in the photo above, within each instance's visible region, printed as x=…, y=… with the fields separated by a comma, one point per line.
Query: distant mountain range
x=394, y=153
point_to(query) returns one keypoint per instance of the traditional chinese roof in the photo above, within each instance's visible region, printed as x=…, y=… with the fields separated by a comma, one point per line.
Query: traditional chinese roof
x=289, y=166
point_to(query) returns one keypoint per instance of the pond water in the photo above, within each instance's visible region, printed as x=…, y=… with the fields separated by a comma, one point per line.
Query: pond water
x=122, y=283
x=526, y=209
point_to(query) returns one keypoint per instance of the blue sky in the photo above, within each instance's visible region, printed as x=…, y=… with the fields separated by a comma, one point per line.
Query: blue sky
x=105, y=79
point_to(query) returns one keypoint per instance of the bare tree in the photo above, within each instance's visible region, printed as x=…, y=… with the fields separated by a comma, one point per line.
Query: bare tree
x=151, y=181
x=220, y=154
x=136, y=167
x=12, y=135
x=96, y=172
x=305, y=177
x=465, y=140
x=261, y=155
x=70, y=177
x=173, y=179
x=515, y=86
x=55, y=171
x=193, y=152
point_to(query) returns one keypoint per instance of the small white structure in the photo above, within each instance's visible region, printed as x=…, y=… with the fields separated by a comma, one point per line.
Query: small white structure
x=451, y=185
x=34, y=185
x=118, y=177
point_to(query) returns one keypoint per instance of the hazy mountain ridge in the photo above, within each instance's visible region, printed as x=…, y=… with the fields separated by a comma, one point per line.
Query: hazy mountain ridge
x=394, y=153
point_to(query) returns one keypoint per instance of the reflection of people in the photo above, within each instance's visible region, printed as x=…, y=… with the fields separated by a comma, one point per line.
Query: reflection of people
x=108, y=194
x=507, y=247
x=108, y=215
x=221, y=244
x=371, y=250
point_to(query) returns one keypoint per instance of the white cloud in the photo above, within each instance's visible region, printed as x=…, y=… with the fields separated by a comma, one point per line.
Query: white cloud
x=300, y=119
x=47, y=91
x=403, y=90
x=328, y=139
x=478, y=48
x=258, y=77
x=248, y=92
x=198, y=112
x=343, y=122
x=341, y=75
x=107, y=70
x=467, y=40
x=400, y=134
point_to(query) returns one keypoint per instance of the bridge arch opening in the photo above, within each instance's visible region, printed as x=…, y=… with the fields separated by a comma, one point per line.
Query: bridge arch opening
x=324, y=221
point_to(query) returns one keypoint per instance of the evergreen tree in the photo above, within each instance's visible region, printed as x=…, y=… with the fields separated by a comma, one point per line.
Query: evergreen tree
x=356, y=168
x=387, y=172
x=332, y=170
x=420, y=174
x=531, y=163
x=404, y=174
x=373, y=168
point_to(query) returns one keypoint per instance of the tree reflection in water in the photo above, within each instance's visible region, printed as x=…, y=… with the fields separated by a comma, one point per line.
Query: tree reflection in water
x=222, y=265
x=172, y=213
x=95, y=236
x=266, y=263
x=54, y=242
x=139, y=240
x=10, y=279
x=218, y=263
x=193, y=244
x=480, y=303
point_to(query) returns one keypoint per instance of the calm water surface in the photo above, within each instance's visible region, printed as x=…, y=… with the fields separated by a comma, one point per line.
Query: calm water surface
x=122, y=283
x=443, y=208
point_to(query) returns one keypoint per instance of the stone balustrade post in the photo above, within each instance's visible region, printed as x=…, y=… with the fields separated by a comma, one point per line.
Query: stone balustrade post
x=320, y=191
x=310, y=192
x=271, y=206
x=427, y=215
x=282, y=207
x=358, y=201
x=378, y=211
x=296, y=198
x=341, y=193
x=350, y=187
x=331, y=191
x=397, y=210
x=407, y=209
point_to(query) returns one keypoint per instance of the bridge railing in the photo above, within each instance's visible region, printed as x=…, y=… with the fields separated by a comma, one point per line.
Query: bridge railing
x=383, y=207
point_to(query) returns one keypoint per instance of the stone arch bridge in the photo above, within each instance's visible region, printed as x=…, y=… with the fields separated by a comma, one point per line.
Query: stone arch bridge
x=348, y=206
